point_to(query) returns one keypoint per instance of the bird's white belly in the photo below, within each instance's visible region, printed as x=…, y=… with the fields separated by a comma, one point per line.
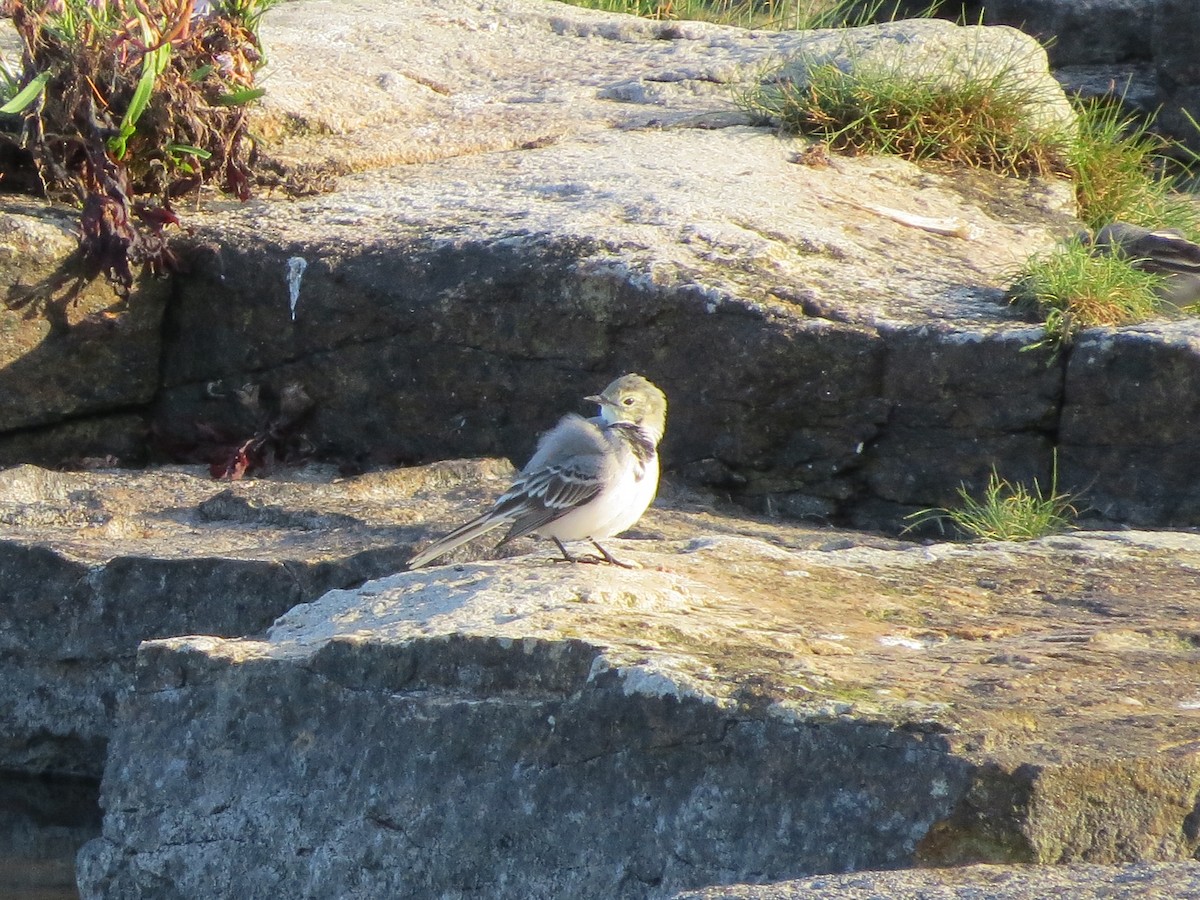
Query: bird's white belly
x=615, y=510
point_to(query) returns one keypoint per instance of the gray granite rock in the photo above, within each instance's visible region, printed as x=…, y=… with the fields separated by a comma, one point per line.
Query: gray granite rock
x=1079, y=32
x=93, y=563
x=734, y=711
x=1142, y=881
x=1126, y=432
x=1176, y=35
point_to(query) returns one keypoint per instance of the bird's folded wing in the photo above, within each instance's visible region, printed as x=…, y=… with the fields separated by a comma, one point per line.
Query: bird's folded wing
x=542, y=496
x=1164, y=251
x=1173, y=253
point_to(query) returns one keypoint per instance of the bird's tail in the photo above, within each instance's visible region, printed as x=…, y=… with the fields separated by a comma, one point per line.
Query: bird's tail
x=457, y=538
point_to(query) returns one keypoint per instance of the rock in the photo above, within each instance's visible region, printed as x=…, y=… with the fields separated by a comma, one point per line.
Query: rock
x=1078, y=32
x=458, y=299
x=93, y=563
x=1135, y=85
x=411, y=330
x=1127, y=398
x=948, y=57
x=1143, y=881
x=1177, y=46
x=744, y=710
x=1142, y=52
x=446, y=79
x=623, y=263
x=63, y=358
x=42, y=826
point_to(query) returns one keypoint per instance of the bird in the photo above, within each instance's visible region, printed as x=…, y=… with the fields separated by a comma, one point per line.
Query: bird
x=588, y=479
x=1165, y=252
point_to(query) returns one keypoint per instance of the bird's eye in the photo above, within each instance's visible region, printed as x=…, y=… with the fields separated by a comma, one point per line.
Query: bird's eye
x=628, y=401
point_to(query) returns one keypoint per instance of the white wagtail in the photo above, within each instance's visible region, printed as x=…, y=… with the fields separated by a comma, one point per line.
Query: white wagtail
x=589, y=479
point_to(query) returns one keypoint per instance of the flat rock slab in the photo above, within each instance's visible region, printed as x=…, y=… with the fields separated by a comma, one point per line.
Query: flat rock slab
x=381, y=84
x=1142, y=881
x=744, y=709
x=93, y=563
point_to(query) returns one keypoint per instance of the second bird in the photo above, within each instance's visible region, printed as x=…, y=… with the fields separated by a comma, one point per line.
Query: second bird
x=589, y=479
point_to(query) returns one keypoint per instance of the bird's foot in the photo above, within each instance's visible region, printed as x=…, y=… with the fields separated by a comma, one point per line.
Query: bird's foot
x=604, y=557
x=609, y=558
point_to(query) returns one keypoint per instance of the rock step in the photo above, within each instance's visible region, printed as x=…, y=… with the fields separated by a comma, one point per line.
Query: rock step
x=734, y=711
x=1144, y=881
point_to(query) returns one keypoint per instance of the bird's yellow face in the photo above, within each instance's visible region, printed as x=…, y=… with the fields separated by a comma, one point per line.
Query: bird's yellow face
x=633, y=399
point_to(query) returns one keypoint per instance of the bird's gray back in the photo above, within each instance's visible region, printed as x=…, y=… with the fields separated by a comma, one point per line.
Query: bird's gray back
x=574, y=439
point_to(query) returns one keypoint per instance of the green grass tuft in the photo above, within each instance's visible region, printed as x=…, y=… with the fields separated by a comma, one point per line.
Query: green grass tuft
x=1073, y=289
x=1124, y=171
x=981, y=121
x=1007, y=511
x=799, y=15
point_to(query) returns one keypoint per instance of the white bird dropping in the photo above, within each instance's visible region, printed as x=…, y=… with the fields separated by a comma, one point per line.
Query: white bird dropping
x=295, y=271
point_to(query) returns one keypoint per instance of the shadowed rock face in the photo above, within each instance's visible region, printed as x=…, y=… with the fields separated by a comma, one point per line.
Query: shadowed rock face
x=1141, y=51
x=43, y=823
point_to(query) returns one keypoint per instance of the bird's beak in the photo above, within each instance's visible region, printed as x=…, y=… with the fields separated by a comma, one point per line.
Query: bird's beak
x=595, y=398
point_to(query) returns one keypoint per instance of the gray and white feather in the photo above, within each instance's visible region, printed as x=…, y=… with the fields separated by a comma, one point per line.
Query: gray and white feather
x=589, y=479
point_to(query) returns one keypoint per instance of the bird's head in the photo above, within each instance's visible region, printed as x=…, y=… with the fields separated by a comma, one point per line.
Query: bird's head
x=634, y=399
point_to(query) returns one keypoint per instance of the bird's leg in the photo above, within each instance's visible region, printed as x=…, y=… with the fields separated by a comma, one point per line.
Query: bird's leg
x=567, y=557
x=604, y=556
x=609, y=558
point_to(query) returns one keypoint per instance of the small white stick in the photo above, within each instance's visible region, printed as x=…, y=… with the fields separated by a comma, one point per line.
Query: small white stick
x=951, y=226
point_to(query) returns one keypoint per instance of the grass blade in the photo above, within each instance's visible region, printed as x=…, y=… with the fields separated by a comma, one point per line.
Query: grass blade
x=27, y=94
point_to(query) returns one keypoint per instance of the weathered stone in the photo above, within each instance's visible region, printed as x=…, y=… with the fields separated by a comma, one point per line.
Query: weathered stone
x=951, y=404
x=91, y=564
x=43, y=824
x=734, y=710
x=62, y=358
x=618, y=261
x=1176, y=34
x=1142, y=881
x=742, y=709
x=437, y=295
x=1126, y=432
x=445, y=79
x=434, y=328
x=1079, y=32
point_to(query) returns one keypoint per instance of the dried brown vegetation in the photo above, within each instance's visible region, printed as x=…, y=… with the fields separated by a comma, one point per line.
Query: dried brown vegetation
x=125, y=106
